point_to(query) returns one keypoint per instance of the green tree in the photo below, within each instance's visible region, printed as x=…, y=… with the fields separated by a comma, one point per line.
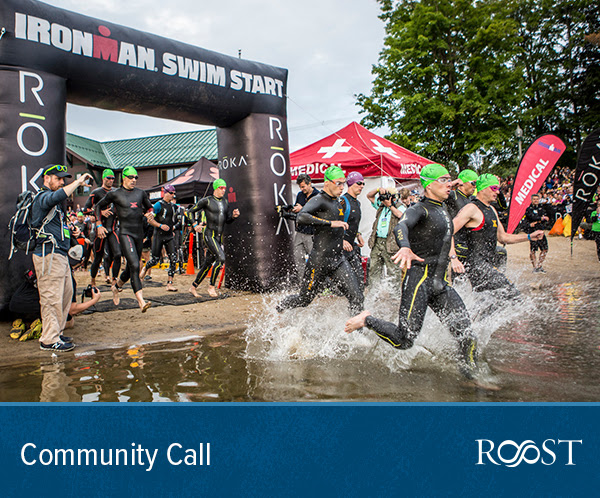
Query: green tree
x=556, y=63
x=444, y=83
x=455, y=77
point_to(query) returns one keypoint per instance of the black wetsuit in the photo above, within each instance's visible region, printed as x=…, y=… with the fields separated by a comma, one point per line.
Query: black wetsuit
x=455, y=202
x=352, y=215
x=130, y=206
x=164, y=213
x=426, y=228
x=110, y=242
x=178, y=234
x=326, y=258
x=481, y=260
x=217, y=214
x=533, y=214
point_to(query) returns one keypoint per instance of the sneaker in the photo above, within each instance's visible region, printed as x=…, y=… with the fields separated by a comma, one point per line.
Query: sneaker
x=34, y=332
x=65, y=338
x=18, y=328
x=147, y=277
x=57, y=346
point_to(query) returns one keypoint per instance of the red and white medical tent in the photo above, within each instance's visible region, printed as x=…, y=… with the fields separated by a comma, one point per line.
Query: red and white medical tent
x=354, y=148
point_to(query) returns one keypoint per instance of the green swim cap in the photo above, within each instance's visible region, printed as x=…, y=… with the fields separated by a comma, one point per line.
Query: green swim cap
x=130, y=171
x=486, y=180
x=333, y=173
x=107, y=172
x=431, y=173
x=219, y=183
x=467, y=175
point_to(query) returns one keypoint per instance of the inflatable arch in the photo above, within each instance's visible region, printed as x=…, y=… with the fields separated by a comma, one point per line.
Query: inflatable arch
x=49, y=56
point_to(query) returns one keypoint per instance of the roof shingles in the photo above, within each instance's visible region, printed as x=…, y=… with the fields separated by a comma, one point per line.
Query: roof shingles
x=162, y=150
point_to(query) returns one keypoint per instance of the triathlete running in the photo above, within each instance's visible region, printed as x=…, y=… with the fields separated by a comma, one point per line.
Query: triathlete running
x=109, y=221
x=130, y=204
x=424, y=235
x=166, y=215
x=325, y=213
x=216, y=210
x=484, y=231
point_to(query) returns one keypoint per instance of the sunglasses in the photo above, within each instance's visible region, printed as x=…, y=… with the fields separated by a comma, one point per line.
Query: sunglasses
x=340, y=184
x=495, y=188
x=109, y=177
x=473, y=183
x=58, y=167
x=444, y=180
x=131, y=177
x=360, y=183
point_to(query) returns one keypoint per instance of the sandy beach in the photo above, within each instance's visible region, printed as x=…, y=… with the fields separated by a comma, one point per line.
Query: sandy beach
x=111, y=327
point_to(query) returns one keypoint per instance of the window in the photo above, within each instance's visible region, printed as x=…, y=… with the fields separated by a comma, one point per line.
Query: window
x=164, y=175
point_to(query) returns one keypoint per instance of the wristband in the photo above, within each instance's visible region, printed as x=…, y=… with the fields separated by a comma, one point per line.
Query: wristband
x=529, y=236
x=98, y=225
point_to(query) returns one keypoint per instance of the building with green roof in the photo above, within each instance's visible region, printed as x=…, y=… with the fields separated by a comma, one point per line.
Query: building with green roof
x=158, y=159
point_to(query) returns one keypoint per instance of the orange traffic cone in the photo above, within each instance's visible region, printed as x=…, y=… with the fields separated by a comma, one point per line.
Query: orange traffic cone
x=190, y=270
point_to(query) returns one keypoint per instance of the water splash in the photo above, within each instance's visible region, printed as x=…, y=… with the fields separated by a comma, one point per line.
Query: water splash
x=316, y=332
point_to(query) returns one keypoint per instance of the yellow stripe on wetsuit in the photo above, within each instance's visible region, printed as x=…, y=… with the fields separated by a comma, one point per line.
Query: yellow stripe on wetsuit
x=410, y=310
x=412, y=303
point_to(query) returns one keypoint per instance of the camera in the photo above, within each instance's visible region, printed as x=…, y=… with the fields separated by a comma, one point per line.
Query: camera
x=285, y=211
x=390, y=194
x=87, y=292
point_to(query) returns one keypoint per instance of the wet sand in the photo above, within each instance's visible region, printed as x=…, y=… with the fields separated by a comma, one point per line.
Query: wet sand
x=118, y=328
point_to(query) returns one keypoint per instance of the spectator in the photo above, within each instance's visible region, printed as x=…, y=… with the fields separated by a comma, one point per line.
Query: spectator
x=382, y=241
x=536, y=220
x=50, y=255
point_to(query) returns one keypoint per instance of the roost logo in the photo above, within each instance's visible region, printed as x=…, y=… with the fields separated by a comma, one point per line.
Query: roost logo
x=512, y=454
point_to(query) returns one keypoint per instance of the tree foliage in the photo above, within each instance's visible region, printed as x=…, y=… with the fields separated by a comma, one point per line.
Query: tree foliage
x=455, y=77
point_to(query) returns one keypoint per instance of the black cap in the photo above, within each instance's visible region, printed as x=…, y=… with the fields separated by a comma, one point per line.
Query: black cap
x=57, y=169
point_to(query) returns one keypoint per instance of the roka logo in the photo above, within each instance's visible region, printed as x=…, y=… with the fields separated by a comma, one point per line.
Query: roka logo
x=512, y=454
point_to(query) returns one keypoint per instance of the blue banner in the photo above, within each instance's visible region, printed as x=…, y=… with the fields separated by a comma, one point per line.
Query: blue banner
x=299, y=449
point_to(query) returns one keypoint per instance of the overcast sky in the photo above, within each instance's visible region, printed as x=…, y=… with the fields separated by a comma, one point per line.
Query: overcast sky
x=328, y=46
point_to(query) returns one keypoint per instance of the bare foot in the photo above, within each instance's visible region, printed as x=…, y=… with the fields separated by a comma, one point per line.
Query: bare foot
x=93, y=282
x=171, y=287
x=115, y=293
x=193, y=291
x=356, y=322
x=212, y=292
x=108, y=280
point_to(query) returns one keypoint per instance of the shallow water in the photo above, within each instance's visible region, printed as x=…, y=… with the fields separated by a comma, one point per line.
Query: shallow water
x=544, y=347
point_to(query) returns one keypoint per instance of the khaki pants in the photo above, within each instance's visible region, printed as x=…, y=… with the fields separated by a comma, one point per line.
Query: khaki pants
x=303, y=244
x=56, y=291
x=380, y=258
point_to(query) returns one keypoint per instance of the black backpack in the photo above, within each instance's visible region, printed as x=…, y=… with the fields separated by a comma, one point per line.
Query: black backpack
x=23, y=235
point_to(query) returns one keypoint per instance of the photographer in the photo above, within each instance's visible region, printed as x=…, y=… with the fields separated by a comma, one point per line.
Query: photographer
x=25, y=302
x=382, y=241
x=50, y=254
